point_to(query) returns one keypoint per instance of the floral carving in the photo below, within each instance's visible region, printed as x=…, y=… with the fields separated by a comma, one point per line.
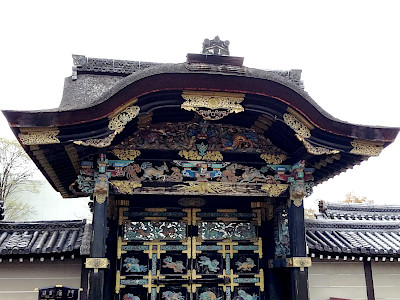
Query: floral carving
x=199, y=138
x=366, y=148
x=297, y=125
x=39, y=137
x=212, y=106
x=116, y=124
x=274, y=190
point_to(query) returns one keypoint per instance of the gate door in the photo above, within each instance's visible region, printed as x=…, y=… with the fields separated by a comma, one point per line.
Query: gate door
x=190, y=254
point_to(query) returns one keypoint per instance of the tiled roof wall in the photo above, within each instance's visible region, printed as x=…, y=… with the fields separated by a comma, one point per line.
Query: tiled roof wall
x=355, y=229
x=43, y=237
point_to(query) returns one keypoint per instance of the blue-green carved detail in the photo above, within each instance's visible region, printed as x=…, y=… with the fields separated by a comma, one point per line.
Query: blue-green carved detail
x=208, y=295
x=245, y=265
x=211, y=265
x=133, y=281
x=215, y=215
x=170, y=295
x=243, y=295
x=154, y=230
x=202, y=148
x=245, y=247
x=139, y=214
x=246, y=280
x=132, y=265
x=177, y=266
x=208, y=247
x=221, y=230
x=228, y=293
x=154, y=264
x=173, y=247
x=153, y=293
x=135, y=247
x=130, y=297
x=228, y=263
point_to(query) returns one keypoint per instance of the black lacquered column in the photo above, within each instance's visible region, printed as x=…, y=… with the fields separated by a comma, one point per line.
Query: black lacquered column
x=298, y=275
x=98, y=242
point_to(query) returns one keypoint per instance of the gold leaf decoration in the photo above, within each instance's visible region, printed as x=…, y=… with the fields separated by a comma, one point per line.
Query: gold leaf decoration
x=297, y=125
x=194, y=155
x=190, y=155
x=212, y=105
x=315, y=150
x=96, y=263
x=117, y=124
x=274, y=190
x=273, y=159
x=125, y=186
x=126, y=154
x=367, y=148
x=205, y=187
x=98, y=143
x=41, y=137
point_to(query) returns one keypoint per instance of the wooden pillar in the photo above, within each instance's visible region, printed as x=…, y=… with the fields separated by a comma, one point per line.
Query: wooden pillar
x=299, y=275
x=368, y=280
x=98, y=242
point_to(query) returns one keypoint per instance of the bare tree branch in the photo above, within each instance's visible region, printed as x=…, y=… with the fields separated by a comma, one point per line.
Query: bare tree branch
x=15, y=169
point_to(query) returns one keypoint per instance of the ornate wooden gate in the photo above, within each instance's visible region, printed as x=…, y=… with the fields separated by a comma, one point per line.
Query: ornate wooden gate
x=190, y=253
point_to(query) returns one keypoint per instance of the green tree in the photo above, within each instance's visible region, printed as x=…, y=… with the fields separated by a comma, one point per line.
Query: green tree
x=16, y=168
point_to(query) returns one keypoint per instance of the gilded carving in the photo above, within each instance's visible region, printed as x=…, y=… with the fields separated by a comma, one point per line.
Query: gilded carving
x=199, y=137
x=298, y=262
x=298, y=190
x=98, y=143
x=273, y=159
x=125, y=186
x=39, y=137
x=315, y=150
x=208, y=156
x=366, y=148
x=126, y=154
x=101, y=188
x=116, y=124
x=212, y=106
x=96, y=263
x=274, y=190
x=205, y=187
x=298, y=127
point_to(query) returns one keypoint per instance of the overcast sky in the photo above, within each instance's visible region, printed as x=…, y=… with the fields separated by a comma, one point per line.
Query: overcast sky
x=348, y=51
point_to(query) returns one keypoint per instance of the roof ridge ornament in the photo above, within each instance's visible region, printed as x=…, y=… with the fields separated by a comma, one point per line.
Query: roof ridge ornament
x=215, y=47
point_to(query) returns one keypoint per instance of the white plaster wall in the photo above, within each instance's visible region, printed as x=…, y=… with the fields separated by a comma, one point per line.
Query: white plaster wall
x=19, y=280
x=337, y=279
x=386, y=277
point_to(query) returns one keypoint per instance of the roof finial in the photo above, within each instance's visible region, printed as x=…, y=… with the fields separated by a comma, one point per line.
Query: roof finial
x=215, y=47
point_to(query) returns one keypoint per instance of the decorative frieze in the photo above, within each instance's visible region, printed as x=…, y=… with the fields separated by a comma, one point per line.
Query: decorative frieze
x=212, y=106
x=125, y=186
x=96, y=263
x=39, y=137
x=315, y=150
x=116, y=124
x=273, y=159
x=126, y=154
x=298, y=127
x=274, y=190
x=367, y=148
x=119, y=122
